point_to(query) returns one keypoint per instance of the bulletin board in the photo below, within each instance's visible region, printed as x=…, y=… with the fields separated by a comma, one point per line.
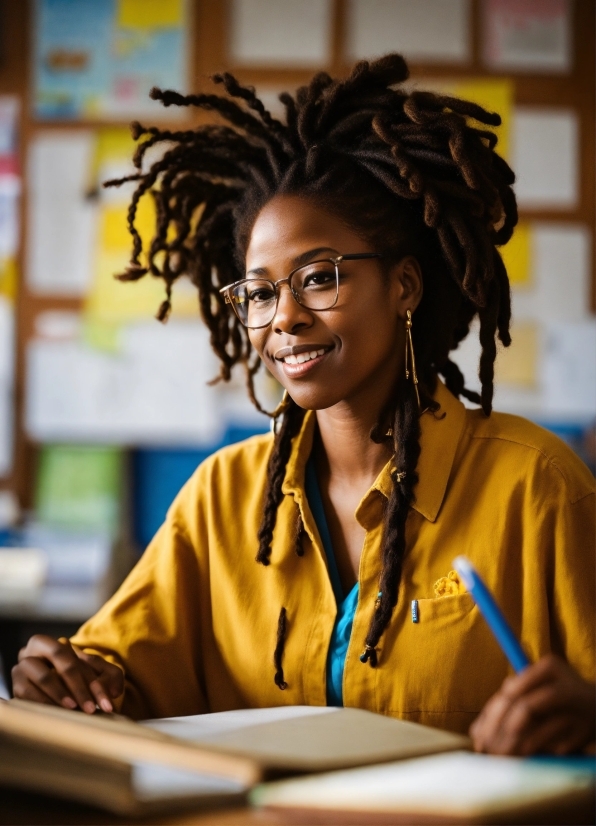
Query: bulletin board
x=472, y=52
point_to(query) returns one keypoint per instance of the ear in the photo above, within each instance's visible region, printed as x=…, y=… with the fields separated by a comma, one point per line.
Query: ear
x=407, y=281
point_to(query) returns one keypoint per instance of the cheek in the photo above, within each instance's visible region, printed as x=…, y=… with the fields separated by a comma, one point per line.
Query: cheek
x=258, y=339
x=369, y=326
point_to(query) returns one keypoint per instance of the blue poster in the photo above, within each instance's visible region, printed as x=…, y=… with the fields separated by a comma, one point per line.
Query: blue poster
x=98, y=59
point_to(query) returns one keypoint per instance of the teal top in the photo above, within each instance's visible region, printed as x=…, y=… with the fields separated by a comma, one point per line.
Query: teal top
x=346, y=603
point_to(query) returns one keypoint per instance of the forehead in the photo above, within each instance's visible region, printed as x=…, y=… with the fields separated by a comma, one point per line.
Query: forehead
x=289, y=225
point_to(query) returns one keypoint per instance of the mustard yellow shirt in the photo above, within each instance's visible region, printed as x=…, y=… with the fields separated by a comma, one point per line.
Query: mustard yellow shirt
x=194, y=625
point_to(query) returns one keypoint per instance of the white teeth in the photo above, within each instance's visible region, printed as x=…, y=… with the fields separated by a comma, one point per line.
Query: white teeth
x=302, y=357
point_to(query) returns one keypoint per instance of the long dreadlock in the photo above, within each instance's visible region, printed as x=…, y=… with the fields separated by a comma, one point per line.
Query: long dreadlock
x=408, y=171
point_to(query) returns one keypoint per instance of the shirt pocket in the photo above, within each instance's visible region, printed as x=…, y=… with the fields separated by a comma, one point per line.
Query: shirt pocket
x=443, y=610
x=447, y=662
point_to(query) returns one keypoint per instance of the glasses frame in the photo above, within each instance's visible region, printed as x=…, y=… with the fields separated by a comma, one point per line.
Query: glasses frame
x=354, y=256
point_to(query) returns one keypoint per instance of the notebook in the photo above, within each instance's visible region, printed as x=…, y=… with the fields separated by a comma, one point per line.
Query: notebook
x=459, y=787
x=132, y=768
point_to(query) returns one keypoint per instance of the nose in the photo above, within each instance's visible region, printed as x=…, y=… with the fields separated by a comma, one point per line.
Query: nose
x=290, y=316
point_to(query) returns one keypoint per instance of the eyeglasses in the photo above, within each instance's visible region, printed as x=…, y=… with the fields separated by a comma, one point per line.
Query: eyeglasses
x=314, y=286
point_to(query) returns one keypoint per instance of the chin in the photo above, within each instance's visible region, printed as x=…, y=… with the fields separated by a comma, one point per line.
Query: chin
x=314, y=398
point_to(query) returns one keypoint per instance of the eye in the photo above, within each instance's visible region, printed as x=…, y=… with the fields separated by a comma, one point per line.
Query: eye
x=317, y=277
x=260, y=294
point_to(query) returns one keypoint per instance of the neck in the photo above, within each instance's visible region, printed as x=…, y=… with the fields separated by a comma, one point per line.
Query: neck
x=344, y=449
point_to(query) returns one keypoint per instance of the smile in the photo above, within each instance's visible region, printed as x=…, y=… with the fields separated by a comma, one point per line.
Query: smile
x=301, y=358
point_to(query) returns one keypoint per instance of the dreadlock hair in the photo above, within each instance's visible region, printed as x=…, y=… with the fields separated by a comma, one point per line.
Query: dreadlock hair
x=411, y=172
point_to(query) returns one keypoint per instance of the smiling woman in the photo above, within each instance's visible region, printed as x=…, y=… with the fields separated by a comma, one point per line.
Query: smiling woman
x=348, y=250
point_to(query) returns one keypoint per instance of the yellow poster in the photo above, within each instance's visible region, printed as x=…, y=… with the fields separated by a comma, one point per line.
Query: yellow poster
x=112, y=302
x=8, y=278
x=518, y=364
x=494, y=95
x=150, y=14
x=517, y=256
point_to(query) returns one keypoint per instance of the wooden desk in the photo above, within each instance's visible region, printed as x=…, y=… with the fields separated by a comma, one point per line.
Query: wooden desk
x=26, y=809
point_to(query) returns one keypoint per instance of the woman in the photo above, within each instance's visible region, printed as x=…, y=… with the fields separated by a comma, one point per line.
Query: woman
x=355, y=245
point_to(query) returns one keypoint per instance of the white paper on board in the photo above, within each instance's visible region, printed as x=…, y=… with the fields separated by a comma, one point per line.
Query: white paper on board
x=61, y=217
x=10, y=190
x=280, y=33
x=153, y=391
x=527, y=35
x=569, y=369
x=435, y=31
x=545, y=157
x=560, y=277
x=7, y=362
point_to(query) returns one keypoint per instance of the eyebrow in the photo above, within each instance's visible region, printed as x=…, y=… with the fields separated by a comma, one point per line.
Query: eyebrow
x=298, y=261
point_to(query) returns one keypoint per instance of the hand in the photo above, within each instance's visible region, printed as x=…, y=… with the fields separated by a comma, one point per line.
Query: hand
x=546, y=708
x=57, y=673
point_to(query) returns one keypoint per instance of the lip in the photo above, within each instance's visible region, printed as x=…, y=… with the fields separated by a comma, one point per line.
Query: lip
x=282, y=353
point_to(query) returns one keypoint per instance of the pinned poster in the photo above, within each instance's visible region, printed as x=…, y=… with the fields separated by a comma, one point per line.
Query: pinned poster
x=494, y=96
x=79, y=487
x=61, y=215
x=10, y=193
x=432, y=31
x=100, y=58
x=109, y=301
x=518, y=364
x=569, y=372
x=559, y=288
x=517, y=256
x=546, y=157
x=527, y=35
x=10, y=190
x=153, y=390
x=7, y=362
x=279, y=33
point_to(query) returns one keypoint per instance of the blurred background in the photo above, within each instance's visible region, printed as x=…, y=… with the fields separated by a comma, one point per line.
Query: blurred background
x=104, y=413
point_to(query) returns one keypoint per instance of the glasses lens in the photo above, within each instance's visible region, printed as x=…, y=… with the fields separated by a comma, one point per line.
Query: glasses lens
x=315, y=285
x=254, y=302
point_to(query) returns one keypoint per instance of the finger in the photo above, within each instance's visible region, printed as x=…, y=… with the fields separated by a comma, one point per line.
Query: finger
x=527, y=713
x=111, y=676
x=486, y=727
x=24, y=689
x=546, y=737
x=76, y=675
x=45, y=679
x=39, y=645
x=546, y=670
x=573, y=742
x=101, y=697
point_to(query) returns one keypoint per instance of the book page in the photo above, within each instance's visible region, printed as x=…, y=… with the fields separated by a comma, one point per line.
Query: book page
x=303, y=738
x=153, y=781
x=199, y=726
x=458, y=783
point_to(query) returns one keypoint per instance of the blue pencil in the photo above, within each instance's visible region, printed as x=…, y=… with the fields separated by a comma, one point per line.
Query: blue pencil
x=491, y=613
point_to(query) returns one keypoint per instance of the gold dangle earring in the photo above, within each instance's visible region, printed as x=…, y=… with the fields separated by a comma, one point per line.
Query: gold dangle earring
x=279, y=410
x=410, y=360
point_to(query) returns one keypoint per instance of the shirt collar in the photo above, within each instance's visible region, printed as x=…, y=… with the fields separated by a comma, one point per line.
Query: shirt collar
x=439, y=438
x=440, y=434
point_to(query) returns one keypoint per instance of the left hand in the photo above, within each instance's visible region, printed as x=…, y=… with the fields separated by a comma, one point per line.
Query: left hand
x=546, y=708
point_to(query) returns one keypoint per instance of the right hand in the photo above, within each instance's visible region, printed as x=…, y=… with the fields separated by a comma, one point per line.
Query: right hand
x=57, y=673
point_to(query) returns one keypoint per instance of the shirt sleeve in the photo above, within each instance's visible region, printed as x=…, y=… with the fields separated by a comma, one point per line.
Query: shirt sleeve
x=574, y=585
x=151, y=627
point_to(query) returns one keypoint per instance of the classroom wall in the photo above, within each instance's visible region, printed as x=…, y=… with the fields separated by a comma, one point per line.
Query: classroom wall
x=97, y=398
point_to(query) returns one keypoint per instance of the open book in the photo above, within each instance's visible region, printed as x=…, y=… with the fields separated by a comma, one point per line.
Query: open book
x=459, y=787
x=132, y=768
